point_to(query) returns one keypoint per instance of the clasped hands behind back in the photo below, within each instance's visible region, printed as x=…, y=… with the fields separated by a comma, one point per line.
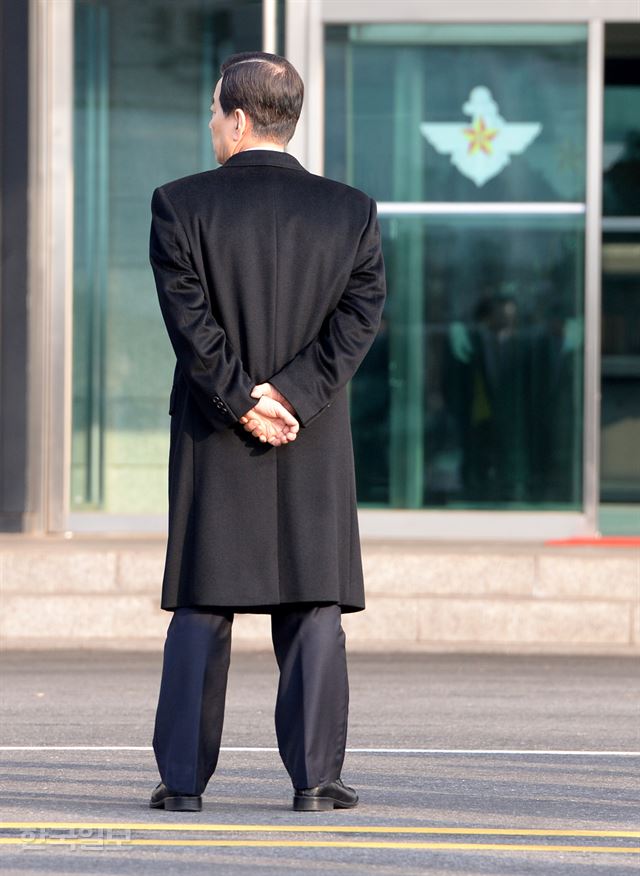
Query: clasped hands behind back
x=271, y=420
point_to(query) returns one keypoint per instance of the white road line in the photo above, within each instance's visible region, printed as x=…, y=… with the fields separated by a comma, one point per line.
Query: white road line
x=495, y=751
x=550, y=751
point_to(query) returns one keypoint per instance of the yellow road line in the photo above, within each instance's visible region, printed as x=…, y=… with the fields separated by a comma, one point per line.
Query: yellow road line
x=325, y=844
x=170, y=827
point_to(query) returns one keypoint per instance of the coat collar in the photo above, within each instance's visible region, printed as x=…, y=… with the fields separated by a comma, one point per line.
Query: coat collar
x=263, y=156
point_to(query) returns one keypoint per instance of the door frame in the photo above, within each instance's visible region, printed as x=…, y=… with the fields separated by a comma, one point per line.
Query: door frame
x=306, y=22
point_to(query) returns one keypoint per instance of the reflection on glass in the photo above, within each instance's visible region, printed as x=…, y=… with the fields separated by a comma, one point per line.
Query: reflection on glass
x=458, y=112
x=144, y=76
x=621, y=150
x=472, y=393
x=620, y=397
x=620, y=408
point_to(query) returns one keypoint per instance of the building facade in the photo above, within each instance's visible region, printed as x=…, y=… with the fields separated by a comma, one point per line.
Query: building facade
x=501, y=399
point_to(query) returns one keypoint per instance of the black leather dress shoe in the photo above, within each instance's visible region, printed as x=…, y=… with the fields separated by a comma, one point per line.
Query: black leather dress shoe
x=163, y=798
x=332, y=795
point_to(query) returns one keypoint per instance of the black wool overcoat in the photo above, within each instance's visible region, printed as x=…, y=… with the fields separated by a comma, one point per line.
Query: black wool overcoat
x=264, y=271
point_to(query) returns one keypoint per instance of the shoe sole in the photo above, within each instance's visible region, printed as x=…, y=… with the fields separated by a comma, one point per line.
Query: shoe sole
x=320, y=804
x=179, y=804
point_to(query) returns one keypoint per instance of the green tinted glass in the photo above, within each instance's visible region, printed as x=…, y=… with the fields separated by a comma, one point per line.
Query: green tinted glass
x=472, y=394
x=458, y=113
x=144, y=77
x=621, y=150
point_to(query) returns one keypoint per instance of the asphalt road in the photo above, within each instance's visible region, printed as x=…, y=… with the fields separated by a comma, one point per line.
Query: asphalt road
x=465, y=764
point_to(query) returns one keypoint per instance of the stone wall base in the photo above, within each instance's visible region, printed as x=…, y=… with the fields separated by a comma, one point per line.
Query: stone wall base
x=90, y=592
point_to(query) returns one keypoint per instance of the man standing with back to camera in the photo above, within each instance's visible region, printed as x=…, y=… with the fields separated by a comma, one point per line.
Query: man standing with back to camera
x=271, y=285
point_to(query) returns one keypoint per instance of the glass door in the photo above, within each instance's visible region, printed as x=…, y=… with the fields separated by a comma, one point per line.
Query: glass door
x=144, y=77
x=471, y=138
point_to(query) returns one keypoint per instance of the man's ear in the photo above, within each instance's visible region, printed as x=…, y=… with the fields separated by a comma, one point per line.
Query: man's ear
x=241, y=121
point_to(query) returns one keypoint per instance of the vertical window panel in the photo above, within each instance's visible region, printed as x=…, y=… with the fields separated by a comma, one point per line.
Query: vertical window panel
x=472, y=396
x=144, y=77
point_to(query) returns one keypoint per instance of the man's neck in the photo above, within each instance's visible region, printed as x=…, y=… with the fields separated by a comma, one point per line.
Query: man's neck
x=267, y=144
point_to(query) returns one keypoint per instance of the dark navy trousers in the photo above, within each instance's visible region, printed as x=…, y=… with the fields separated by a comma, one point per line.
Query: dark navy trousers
x=312, y=701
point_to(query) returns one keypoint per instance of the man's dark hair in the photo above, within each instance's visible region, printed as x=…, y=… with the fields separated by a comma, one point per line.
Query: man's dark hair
x=267, y=88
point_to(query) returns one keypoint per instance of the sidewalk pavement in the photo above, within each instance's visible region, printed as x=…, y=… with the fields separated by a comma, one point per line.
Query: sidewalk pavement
x=465, y=764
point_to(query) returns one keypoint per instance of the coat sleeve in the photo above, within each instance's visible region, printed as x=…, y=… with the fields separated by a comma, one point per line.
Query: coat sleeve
x=314, y=376
x=213, y=371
